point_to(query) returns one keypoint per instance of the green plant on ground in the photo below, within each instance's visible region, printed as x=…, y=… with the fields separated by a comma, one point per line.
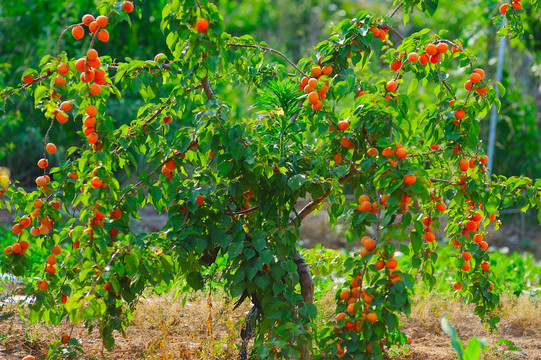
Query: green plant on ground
x=471, y=352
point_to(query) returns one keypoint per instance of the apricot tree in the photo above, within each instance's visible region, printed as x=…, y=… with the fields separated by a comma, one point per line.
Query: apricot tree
x=229, y=183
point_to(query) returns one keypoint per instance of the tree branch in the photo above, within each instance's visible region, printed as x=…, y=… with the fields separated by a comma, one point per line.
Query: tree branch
x=393, y=30
x=265, y=48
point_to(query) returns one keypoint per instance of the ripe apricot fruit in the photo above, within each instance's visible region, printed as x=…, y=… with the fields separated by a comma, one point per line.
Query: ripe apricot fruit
x=102, y=21
x=28, y=79
x=388, y=152
x=103, y=35
x=337, y=158
x=372, y=151
x=442, y=47
x=127, y=6
x=93, y=26
x=401, y=153
x=43, y=163
x=96, y=182
x=475, y=78
x=396, y=65
x=460, y=114
x=369, y=244
x=62, y=69
x=327, y=70
x=92, y=54
x=343, y=125
x=77, y=32
x=391, y=264
x=413, y=57
x=503, y=8
x=409, y=179
x=463, y=165
x=91, y=110
x=316, y=71
x=56, y=250
x=372, y=317
x=202, y=25
x=391, y=85
x=344, y=294
x=431, y=49
x=424, y=59
x=200, y=199
x=457, y=286
x=87, y=19
x=65, y=106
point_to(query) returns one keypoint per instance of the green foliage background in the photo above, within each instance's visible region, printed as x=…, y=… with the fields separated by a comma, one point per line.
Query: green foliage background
x=291, y=28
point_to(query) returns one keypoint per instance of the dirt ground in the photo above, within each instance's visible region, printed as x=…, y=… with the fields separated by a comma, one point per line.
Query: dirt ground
x=162, y=329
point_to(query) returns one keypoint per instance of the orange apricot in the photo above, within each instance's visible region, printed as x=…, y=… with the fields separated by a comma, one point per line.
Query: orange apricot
x=62, y=69
x=43, y=163
x=442, y=47
x=391, y=264
x=102, y=21
x=77, y=32
x=391, y=85
x=475, y=78
x=87, y=19
x=396, y=65
x=460, y=114
x=409, y=179
x=413, y=57
x=127, y=6
x=92, y=54
x=372, y=151
x=103, y=35
x=431, y=49
x=343, y=125
x=369, y=244
x=401, y=153
x=202, y=25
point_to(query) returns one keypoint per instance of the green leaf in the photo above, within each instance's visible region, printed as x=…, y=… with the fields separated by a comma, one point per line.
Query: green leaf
x=195, y=280
x=473, y=350
x=455, y=340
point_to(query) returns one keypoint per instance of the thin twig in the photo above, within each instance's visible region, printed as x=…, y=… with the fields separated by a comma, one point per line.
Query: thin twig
x=393, y=30
x=265, y=48
x=396, y=10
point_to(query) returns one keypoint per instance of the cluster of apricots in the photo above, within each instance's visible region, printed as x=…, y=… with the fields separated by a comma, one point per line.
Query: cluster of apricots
x=41, y=224
x=432, y=54
x=470, y=233
x=475, y=79
x=366, y=206
x=376, y=30
x=95, y=25
x=316, y=88
x=515, y=5
x=358, y=301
